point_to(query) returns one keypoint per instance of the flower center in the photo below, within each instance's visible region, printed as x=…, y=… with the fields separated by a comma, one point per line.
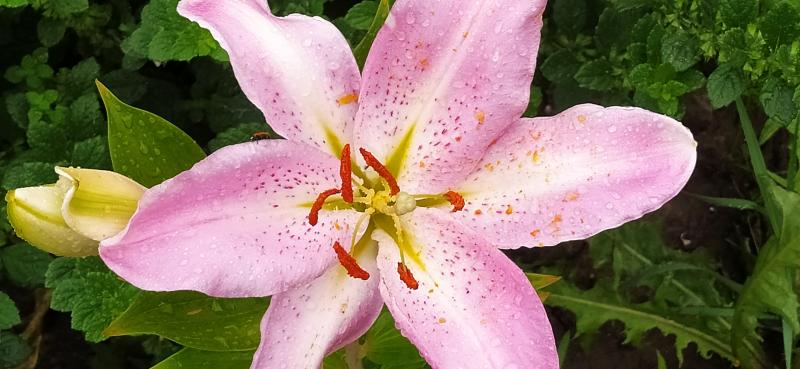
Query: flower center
x=381, y=203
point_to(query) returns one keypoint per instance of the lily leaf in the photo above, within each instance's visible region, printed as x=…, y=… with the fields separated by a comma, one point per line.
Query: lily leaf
x=144, y=146
x=194, y=320
x=197, y=359
x=770, y=289
x=362, y=49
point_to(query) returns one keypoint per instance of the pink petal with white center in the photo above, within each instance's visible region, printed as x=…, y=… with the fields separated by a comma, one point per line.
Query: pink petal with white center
x=568, y=177
x=457, y=73
x=303, y=325
x=473, y=309
x=235, y=225
x=297, y=69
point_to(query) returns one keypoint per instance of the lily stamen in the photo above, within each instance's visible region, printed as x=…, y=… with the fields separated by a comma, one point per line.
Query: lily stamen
x=455, y=199
x=349, y=263
x=346, y=172
x=382, y=171
x=406, y=276
x=313, y=216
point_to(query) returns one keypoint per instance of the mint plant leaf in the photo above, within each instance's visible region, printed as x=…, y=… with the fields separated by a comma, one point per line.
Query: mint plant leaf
x=9, y=315
x=25, y=265
x=679, y=49
x=724, y=85
x=596, y=75
x=164, y=35
x=29, y=174
x=13, y=350
x=360, y=15
x=92, y=293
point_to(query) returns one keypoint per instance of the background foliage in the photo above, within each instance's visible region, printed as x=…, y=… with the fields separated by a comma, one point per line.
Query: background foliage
x=708, y=282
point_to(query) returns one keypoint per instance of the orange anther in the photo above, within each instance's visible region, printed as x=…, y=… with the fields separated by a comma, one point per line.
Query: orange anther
x=347, y=99
x=382, y=170
x=455, y=199
x=407, y=277
x=313, y=216
x=349, y=263
x=346, y=172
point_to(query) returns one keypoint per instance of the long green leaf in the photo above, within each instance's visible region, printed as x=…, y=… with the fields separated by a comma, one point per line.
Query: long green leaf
x=196, y=359
x=144, y=146
x=194, y=320
x=770, y=289
x=596, y=306
x=362, y=49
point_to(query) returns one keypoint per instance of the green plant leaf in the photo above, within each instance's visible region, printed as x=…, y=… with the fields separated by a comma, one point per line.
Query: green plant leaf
x=384, y=345
x=9, y=315
x=197, y=359
x=362, y=49
x=597, y=75
x=679, y=49
x=361, y=15
x=724, y=85
x=144, y=146
x=13, y=3
x=770, y=289
x=25, y=265
x=598, y=305
x=13, y=350
x=164, y=35
x=194, y=320
x=92, y=293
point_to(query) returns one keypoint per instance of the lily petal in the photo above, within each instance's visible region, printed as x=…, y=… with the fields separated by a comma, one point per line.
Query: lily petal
x=97, y=203
x=303, y=325
x=297, y=69
x=235, y=225
x=35, y=213
x=442, y=81
x=473, y=309
x=568, y=177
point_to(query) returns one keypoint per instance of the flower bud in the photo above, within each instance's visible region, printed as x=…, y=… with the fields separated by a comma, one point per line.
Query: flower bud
x=70, y=217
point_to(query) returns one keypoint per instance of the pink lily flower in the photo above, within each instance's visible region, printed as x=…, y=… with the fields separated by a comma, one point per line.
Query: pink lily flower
x=443, y=174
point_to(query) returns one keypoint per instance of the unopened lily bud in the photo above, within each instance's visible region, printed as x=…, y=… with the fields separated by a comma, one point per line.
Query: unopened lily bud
x=69, y=218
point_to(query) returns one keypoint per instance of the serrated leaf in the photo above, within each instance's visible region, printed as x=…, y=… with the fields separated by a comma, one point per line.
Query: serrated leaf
x=29, y=174
x=9, y=315
x=194, y=320
x=25, y=265
x=598, y=305
x=65, y=8
x=777, y=99
x=50, y=31
x=770, y=288
x=13, y=350
x=781, y=25
x=596, y=75
x=144, y=146
x=362, y=49
x=679, y=49
x=164, y=35
x=570, y=16
x=91, y=153
x=561, y=66
x=90, y=291
x=738, y=13
x=197, y=359
x=724, y=85
x=360, y=16
x=13, y=3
